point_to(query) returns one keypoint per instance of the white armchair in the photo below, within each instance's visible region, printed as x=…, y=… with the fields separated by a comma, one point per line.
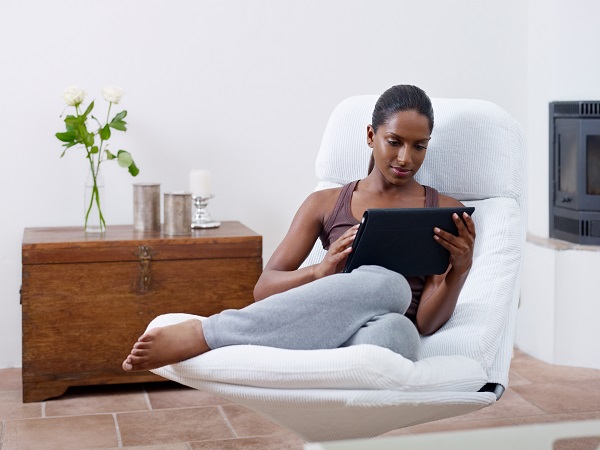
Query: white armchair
x=475, y=155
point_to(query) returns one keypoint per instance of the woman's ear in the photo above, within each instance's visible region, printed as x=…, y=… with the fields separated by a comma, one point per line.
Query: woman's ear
x=370, y=135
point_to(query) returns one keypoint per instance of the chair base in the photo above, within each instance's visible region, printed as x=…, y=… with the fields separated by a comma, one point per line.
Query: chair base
x=325, y=415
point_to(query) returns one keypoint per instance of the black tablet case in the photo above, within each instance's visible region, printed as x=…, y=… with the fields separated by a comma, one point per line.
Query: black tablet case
x=401, y=239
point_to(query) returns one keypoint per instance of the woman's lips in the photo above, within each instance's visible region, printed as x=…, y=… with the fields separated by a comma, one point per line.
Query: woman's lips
x=400, y=171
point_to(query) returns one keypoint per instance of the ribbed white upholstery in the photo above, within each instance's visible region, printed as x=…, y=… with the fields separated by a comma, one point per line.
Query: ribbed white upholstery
x=471, y=155
x=476, y=155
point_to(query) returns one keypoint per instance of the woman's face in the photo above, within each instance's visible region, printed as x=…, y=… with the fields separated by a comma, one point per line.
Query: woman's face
x=399, y=146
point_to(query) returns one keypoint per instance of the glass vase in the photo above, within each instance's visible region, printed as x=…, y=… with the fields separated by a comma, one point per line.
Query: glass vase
x=93, y=202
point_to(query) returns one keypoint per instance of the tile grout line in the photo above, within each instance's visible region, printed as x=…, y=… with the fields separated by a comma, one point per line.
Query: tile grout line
x=118, y=431
x=2, y=433
x=227, y=422
x=104, y=413
x=43, y=410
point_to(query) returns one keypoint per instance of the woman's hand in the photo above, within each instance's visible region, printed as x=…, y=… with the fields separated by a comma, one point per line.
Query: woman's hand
x=460, y=246
x=335, y=259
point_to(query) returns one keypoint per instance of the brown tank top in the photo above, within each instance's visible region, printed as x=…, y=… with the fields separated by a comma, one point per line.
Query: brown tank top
x=341, y=219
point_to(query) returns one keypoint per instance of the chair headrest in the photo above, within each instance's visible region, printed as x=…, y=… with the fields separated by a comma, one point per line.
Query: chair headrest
x=476, y=148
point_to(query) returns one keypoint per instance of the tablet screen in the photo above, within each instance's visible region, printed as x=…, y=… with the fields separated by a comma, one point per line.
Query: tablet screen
x=401, y=239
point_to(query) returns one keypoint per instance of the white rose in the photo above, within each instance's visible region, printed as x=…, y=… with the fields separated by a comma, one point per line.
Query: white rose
x=112, y=94
x=73, y=95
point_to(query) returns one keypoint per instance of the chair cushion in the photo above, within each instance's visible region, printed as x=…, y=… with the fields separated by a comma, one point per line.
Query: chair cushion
x=362, y=367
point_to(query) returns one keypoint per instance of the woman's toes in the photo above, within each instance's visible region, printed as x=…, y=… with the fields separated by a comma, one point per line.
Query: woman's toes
x=142, y=345
x=139, y=352
x=146, y=337
x=127, y=366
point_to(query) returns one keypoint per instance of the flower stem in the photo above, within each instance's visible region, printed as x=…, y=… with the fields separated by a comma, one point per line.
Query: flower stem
x=95, y=197
x=102, y=140
x=95, y=169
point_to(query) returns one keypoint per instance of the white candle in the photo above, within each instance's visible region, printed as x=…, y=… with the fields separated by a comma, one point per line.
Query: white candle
x=200, y=183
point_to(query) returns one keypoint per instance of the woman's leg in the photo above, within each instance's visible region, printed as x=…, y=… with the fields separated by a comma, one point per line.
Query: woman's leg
x=394, y=331
x=321, y=314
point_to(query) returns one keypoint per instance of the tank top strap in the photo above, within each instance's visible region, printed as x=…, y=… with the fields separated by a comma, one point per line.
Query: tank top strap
x=340, y=217
x=431, y=197
x=346, y=201
x=342, y=203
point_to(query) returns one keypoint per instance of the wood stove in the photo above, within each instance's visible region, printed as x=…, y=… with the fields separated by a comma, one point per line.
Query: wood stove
x=575, y=171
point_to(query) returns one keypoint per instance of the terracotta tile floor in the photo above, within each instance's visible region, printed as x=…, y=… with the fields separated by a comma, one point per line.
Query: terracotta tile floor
x=161, y=416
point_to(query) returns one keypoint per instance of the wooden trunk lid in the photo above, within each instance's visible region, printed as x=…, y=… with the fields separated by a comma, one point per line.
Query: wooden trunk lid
x=123, y=243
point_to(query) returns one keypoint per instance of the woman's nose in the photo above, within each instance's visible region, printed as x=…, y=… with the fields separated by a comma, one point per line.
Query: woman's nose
x=402, y=155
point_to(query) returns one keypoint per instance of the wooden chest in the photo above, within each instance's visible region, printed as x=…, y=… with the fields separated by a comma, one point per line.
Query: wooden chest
x=86, y=299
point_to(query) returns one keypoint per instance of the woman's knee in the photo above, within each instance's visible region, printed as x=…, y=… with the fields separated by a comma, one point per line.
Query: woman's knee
x=403, y=337
x=392, y=331
x=388, y=286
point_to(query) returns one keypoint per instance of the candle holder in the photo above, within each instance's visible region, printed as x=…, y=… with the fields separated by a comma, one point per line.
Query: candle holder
x=202, y=218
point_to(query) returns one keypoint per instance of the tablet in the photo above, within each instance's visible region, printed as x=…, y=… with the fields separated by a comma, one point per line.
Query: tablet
x=401, y=239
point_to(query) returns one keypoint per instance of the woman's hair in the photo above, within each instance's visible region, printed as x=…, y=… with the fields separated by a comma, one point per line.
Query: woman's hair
x=402, y=97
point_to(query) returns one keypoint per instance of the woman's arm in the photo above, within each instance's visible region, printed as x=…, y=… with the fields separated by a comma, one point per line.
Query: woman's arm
x=282, y=271
x=441, y=292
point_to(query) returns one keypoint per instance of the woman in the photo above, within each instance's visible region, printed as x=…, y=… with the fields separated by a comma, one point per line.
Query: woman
x=319, y=307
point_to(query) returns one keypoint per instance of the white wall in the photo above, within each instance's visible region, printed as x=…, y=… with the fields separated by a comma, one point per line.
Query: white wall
x=563, y=64
x=241, y=88
x=559, y=298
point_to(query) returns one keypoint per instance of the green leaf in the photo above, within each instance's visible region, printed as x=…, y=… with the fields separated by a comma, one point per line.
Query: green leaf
x=119, y=117
x=68, y=136
x=105, y=133
x=88, y=110
x=133, y=170
x=125, y=159
x=71, y=121
x=67, y=146
x=109, y=155
x=94, y=149
x=120, y=125
x=88, y=139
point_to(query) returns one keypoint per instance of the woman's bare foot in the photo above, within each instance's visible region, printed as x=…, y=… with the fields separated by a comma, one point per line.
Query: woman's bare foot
x=167, y=345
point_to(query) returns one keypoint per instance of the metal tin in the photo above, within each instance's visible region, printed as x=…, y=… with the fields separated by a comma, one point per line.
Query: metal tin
x=146, y=206
x=177, y=213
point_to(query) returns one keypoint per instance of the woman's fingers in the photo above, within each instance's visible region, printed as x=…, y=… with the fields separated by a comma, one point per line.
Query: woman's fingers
x=466, y=232
x=343, y=246
x=460, y=246
x=345, y=240
x=465, y=226
x=339, y=250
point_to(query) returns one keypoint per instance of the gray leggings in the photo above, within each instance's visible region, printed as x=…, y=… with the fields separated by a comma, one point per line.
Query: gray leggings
x=365, y=306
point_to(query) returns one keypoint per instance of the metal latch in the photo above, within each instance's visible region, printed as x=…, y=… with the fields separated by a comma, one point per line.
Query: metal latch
x=145, y=255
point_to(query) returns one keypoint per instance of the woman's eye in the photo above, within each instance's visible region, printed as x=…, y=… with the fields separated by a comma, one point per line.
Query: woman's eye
x=392, y=142
x=421, y=147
